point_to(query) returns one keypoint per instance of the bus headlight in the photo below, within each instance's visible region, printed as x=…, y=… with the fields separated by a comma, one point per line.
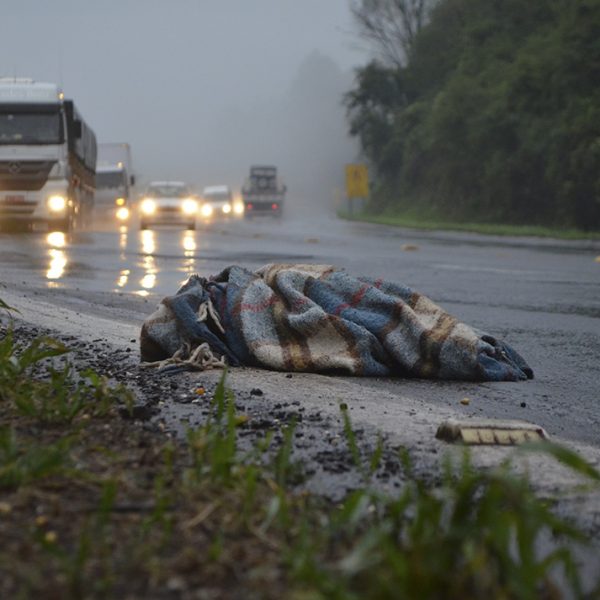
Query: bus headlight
x=148, y=206
x=226, y=208
x=57, y=203
x=189, y=206
x=123, y=213
x=206, y=210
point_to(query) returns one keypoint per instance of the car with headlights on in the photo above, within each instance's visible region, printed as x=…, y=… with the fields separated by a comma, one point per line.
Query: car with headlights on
x=218, y=202
x=168, y=203
x=111, y=200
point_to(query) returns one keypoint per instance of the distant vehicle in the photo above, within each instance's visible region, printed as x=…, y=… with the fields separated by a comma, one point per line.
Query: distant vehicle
x=114, y=179
x=168, y=203
x=218, y=201
x=263, y=193
x=47, y=157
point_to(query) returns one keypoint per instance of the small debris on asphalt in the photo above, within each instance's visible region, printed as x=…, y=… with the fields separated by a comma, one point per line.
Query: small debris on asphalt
x=409, y=247
x=490, y=432
x=241, y=419
x=141, y=412
x=466, y=401
x=50, y=537
x=523, y=404
x=256, y=392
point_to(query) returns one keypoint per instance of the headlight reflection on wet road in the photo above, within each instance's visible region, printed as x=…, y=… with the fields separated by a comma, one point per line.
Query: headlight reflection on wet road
x=57, y=241
x=141, y=272
x=148, y=241
x=188, y=241
x=124, y=273
x=148, y=281
x=123, y=240
x=123, y=278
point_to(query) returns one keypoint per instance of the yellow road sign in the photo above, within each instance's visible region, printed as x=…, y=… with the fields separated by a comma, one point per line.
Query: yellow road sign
x=357, y=181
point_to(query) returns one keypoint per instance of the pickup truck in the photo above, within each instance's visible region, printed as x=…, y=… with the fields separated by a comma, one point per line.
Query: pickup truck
x=263, y=193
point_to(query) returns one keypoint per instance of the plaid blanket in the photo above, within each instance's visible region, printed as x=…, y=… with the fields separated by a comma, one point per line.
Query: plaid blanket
x=318, y=318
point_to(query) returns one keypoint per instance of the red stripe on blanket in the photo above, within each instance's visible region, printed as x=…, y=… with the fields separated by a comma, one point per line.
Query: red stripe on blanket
x=256, y=307
x=299, y=303
x=353, y=301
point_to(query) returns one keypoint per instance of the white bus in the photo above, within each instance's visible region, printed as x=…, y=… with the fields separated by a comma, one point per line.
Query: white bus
x=47, y=157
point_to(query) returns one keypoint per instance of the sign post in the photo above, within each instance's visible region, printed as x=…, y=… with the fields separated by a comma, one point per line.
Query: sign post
x=357, y=185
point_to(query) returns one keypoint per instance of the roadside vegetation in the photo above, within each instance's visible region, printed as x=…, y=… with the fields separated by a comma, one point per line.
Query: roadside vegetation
x=411, y=220
x=481, y=112
x=94, y=505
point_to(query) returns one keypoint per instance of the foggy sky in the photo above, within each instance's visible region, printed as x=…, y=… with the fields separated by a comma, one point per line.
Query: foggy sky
x=201, y=89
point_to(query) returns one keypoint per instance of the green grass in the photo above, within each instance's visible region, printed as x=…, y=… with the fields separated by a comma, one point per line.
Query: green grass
x=23, y=460
x=107, y=509
x=415, y=222
x=60, y=395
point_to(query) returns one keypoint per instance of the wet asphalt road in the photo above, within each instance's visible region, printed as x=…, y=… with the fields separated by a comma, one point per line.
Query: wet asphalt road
x=542, y=296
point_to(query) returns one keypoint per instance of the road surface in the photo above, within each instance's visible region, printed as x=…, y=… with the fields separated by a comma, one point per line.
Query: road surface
x=541, y=296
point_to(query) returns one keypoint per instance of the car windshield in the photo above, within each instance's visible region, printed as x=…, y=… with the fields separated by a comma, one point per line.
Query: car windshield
x=217, y=197
x=30, y=128
x=169, y=191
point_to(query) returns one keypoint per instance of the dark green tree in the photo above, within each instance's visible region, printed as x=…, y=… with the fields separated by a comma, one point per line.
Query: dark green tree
x=495, y=116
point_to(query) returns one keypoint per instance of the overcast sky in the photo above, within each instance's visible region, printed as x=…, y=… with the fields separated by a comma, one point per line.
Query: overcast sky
x=191, y=84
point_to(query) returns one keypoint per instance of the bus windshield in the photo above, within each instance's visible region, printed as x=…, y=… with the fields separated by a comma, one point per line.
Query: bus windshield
x=30, y=128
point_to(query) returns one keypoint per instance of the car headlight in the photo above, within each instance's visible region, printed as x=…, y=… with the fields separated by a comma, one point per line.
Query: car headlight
x=57, y=203
x=120, y=201
x=148, y=206
x=206, y=210
x=189, y=206
x=226, y=208
x=122, y=213
x=238, y=208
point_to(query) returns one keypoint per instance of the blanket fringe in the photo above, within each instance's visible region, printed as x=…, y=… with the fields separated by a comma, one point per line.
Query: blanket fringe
x=200, y=359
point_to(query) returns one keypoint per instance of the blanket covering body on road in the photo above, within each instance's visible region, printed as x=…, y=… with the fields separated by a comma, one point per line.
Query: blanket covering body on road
x=316, y=318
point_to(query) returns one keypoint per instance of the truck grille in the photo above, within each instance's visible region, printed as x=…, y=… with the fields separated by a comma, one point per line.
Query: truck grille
x=15, y=205
x=26, y=175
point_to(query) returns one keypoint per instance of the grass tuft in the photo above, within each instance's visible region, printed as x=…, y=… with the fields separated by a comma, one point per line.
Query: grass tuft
x=413, y=221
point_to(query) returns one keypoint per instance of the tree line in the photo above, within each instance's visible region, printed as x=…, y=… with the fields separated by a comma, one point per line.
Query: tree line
x=482, y=110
